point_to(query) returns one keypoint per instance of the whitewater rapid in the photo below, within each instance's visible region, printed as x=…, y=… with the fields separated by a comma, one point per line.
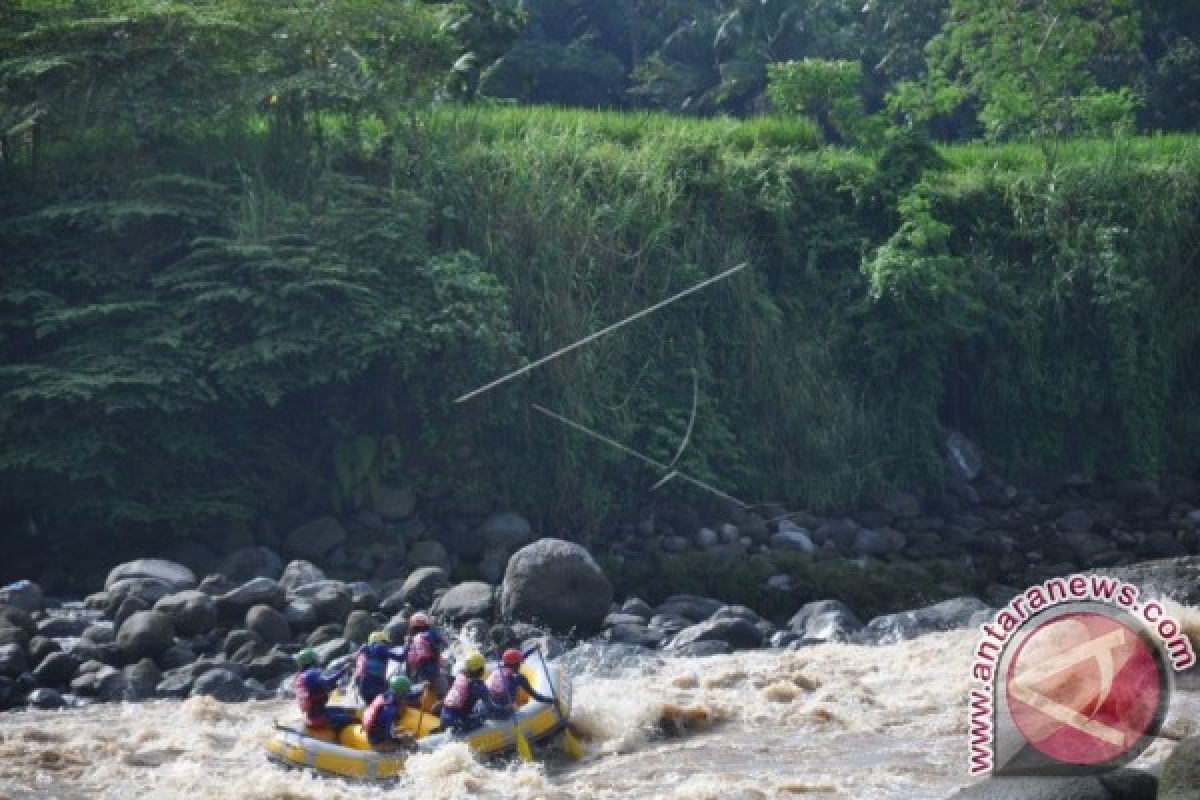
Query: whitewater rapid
x=834, y=721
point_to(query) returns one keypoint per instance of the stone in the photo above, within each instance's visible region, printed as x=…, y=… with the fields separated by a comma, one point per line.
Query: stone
x=129, y=607
x=702, y=649
x=268, y=624
x=676, y=544
x=23, y=594
x=301, y=615
x=1087, y=787
x=880, y=542
x=177, y=655
x=332, y=650
x=14, y=636
x=690, y=607
x=14, y=617
x=40, y=647
x=216, y=585
x=146, y=590
x=737, y=632
x=142, y=678
x=394, y=502
x=57, y=627
x=323, y=634
x=779, y=583
x=234, y=604
x=300, y=572
x=944, y=616
x=191, y=611
x=316, y=538
x=176, y=685
x=558, y=584
x=620, y=618
x=428, y=553
x=13, y=661
x=797, y=541
x=146, y=634
x=220, y=684
x=1162, y=544
x=247, y=563
x=1085, y=545
x=707, y=538
x=1076, y=520
x=175, y=576
x=634, y=634
x=46, y=699
x=493, y=563
x=236, y=639
x=363, y=596
x=272, y=665
x=359, y=625
x=963, y=457
x=331, y=600
x=466, y=600
x=507, y=529
x=638, y=607
x=419, y=587
x=56, y=669
x=839, y=531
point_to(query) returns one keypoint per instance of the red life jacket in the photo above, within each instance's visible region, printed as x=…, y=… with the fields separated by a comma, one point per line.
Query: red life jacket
x=459, y=695
x=310, y=699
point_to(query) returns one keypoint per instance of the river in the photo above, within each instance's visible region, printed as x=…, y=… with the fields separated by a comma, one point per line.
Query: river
x=835, y=721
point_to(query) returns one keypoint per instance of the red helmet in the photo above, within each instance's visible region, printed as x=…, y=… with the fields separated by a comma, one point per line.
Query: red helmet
x=418, y=621
x=511, y=658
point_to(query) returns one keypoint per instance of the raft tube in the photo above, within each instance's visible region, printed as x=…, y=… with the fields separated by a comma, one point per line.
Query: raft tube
x=350, y=755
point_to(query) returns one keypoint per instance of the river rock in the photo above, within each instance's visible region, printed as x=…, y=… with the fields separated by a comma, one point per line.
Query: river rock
x=56, y=669
x=493, y=563
x=634, y=634
x=331, y=600
x=1177, y=578
x=145, y=634
x=40, y=647
x=621, y=618
x=142, y=678
x=177, y=655
x=363, y=596
x=14, y=636
x=143, y=589
x=702, y=649
x=313, y=540
x=191, y=611
x=58, y=627
x=1077, y=520
x=175, y=577
x=394, y=502
x=100, y=633
x=428, y=553
x=1085, y=545
x=299, y=573
x=707, y=538
x=689, y=606
x=737, y=632
x=878, y=542
x=324, y=633
x=301, y=615
x=332, y=650
x=359, y=625
x=247, y=563
x=507, y=529
x=638, y=607
x=270, y=625
x=1180, y=776
x=419, y=587
x=46, y=699
x=839, y=531
x=13, y=660
x=1087, y=787
x=945, y=616
x=23, y=594
x=14, y=617
x=466, y=600
x=220, y=684
x=258, y=591
x=106, y=684
x=175, y=684
x=792, y=537
x=270, y=666
x=557, y=584
x=675, y=544
x=216, y=584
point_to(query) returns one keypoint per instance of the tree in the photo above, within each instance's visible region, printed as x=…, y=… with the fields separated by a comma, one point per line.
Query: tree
x=1028, y=66
x=831, y=91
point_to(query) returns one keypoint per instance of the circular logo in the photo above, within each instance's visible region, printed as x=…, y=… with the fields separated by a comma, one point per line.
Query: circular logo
x=1085, y=688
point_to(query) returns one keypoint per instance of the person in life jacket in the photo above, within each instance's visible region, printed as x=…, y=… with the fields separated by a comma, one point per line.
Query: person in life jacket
x=468, y=691
x=312, y=688
x=423, y=654
x=380, y=718
x=370, y=666
x=506, y=680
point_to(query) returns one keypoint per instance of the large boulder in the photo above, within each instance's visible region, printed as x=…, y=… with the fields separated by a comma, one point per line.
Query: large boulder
x=247, y=563
x=19, y=618
x=558, y=584
x=270, y=625
x=738, y=632
x=258, y=591
x=466, y=600
x=191, y=611
x=944, y=616
x=825, y=621
x=13, y=660
x=299, y=573
x=175, y=576
x=1087, y=787
x=419, y=587
x=359, y=626
x=314, y=540
x=221, y=684
x=25, y=595
x=689, y=606
x=332, y=601
x=146, y=634
x=141, y=589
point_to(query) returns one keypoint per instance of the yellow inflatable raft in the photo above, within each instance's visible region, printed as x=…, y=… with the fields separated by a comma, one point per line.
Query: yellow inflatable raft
x=350, y=755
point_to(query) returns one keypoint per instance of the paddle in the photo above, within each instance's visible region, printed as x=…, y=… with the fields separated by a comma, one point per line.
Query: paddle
x=523, y=748
x=571, y=745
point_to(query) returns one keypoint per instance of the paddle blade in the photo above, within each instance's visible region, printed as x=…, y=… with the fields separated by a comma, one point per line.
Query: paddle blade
x=524, y=751
x=571, y=745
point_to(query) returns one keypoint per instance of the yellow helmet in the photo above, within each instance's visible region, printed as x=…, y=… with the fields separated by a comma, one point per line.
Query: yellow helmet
x=378, y=637
x=475, y=662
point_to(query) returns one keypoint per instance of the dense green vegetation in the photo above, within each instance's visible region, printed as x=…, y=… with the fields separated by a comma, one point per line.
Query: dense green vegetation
x=249, y=263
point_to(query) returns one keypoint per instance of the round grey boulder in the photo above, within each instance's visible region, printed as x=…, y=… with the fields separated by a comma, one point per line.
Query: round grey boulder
x=13, y=660
x=419, y=587
x=300, y=572
x=25, y=595
x=466, y=600
x=191, y=611
x=558, y=584
x=270, y=625
x=246, y=563
x=220, y=684
x=146, y=634
x=175, y=576
x=332, y=601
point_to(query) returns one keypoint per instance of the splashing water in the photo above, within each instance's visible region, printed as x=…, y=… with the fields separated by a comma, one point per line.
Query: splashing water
x=836, y=721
